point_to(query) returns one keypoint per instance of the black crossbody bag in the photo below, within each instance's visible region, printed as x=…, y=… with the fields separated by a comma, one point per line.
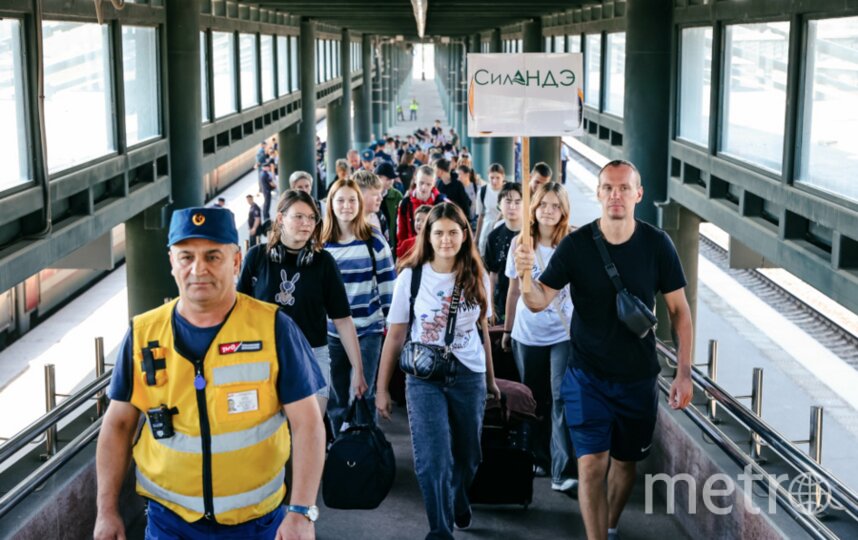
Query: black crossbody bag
x=425, y=361
x=631, y=311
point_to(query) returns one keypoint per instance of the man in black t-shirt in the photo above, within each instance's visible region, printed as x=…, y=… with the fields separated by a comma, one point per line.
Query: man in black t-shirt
x=266, y=186
x=610, y=389
x=498, y=242
x=254, y=221
x=451, y=187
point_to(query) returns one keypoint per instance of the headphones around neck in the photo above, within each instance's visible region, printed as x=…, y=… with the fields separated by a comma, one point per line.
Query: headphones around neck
x=304, y=258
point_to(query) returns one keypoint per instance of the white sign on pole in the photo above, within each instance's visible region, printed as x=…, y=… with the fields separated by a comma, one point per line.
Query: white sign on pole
x=527, y=94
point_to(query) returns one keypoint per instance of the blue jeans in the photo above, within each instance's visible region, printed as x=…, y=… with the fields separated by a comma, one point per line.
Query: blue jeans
x=446, y=419
x=542, y=369
x=164, y=524
x=341, y=376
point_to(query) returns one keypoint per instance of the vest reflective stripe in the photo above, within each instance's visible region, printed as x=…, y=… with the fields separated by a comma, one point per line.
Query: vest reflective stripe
x=221, y=504
x=259, y=371
x=224, y=442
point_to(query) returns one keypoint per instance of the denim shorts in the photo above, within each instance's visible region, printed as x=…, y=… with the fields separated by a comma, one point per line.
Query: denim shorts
x=164, y=524
x=323, y=358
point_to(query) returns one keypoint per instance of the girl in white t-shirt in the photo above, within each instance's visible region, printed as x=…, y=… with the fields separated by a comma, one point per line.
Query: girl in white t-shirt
x=445, y=416
x=540, y=341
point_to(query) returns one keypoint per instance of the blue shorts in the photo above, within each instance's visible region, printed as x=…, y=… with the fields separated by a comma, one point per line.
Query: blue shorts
x=164, y=524
x=606, y=416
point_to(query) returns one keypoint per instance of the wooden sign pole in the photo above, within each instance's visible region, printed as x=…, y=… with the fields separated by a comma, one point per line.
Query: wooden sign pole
x=525, y=207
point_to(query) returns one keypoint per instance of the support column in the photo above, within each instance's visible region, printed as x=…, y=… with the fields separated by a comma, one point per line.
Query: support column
x=683, y=227
x=647, y=114
x=377, y=127
x=339, y=121
x=148, y=272
x=362, y=97
x=455, y=60
x=385, y=89
x=298, y=142
x=479, y=145
x=500, y=148
x=545, y=149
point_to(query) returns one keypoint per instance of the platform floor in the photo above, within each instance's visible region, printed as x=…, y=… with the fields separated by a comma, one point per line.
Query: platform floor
x=798, y=373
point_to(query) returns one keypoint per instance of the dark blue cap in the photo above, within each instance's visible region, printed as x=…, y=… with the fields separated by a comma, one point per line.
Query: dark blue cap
x=215, y=224
x=385, y=168
x=367, y=155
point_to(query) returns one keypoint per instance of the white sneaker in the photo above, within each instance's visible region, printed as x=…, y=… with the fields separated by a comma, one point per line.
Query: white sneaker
x=539, y=471
x=564, y=486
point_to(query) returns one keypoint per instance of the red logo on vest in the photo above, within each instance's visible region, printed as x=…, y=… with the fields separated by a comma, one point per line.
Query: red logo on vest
x=240, y=346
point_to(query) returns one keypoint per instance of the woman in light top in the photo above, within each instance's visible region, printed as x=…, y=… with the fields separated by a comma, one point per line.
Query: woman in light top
x=445, y=415
x=540, y=341
x=366, y=265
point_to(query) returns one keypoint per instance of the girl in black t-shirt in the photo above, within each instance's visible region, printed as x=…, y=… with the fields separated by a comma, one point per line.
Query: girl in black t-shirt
x=294, y=272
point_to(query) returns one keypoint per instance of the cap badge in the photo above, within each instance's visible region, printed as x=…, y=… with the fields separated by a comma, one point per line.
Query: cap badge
x=198, y=219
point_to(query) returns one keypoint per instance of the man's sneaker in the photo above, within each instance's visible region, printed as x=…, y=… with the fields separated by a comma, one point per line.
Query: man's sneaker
x=566, y=485
x=463, y=521
x=613, y=535
x=539, y=471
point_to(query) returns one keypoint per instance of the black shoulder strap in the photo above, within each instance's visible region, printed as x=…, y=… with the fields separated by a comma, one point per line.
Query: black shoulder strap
x=610, y=268
x=416, y=275
x=483, y=195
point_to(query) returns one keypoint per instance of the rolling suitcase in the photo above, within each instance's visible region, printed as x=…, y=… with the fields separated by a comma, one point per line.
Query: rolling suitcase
x=505, y=475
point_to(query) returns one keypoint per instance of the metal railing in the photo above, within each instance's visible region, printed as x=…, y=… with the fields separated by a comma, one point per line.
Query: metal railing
x=764, y=435
x=47, y=426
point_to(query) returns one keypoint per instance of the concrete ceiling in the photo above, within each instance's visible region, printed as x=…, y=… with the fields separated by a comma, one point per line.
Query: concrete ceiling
x=443, y=17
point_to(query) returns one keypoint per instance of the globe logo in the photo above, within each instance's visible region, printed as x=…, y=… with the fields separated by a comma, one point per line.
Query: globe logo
x=811, y=495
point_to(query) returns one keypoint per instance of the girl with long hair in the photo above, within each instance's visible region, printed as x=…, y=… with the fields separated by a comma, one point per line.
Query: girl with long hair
x=446, y=414
x=469, y=179
x=540, y=341
x=292, y=271
x=366, y=265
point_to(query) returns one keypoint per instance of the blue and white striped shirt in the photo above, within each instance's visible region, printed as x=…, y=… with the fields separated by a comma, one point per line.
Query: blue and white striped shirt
x=369, y=298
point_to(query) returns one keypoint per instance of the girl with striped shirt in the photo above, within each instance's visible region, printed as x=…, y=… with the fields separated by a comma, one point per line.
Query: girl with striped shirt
x=365, y=262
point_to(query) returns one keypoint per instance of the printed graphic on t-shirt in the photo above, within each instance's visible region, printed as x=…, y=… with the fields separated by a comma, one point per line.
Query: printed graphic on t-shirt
x=287, y=289
x=433, y=328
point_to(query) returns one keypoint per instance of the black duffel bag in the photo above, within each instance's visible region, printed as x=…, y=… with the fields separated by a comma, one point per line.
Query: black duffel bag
x=360, y=466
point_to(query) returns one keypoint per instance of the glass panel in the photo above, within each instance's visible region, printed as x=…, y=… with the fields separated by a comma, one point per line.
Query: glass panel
x=694, y=84
x=548, y=43
x=575, y=43
x=140, y=78
x=328, y=60
x=77, y=92
x=282, y=66
x=247, y=55
x=294, y=80
x=519, y=45
x=266, y=56
x=830, y=148
x=223, y=63
x=204, y=87
x=592, y=70
x=615, y=85
x=754, y=105
x=14, y=153
x=559, y=43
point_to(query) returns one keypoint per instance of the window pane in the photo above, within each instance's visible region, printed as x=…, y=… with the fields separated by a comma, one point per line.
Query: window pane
x=282, y=66
x=559, y=43
x=247, y=54
x=695, y=82
x=266, y=55
x=140, y=79
x=592, y=70
x=223, y=62
x=13, y=127
x=77, y=92
x=548, y=42
x=615, y=85
x=830, y=148
x=755, y=96
x=575, y=43
x=293, y=64
x=204, y=87
x=319, y=61
x=519, y=45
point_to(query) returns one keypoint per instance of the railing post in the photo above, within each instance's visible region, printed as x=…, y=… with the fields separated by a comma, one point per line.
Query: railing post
x=757, y=408
x=50, y=404
x=712, y=371
x=100, y=404
x=815, y=441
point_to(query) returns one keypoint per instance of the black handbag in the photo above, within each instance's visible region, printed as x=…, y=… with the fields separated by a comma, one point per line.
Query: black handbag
x=631, y=311
x=425, y=361
x=360, y=467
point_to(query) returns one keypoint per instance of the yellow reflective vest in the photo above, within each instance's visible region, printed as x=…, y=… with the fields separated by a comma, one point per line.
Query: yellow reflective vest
x=225, y=460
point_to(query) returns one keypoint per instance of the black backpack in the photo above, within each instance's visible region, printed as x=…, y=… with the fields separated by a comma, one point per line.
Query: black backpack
x=360, y=466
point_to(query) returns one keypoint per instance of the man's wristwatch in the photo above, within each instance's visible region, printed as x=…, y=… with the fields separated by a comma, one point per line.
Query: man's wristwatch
x=309, y=512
